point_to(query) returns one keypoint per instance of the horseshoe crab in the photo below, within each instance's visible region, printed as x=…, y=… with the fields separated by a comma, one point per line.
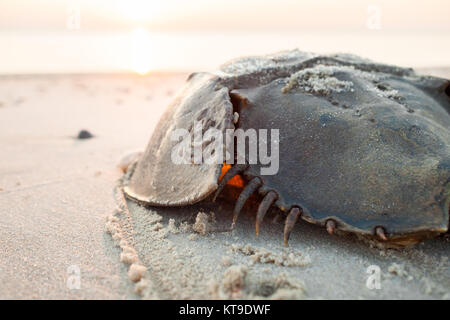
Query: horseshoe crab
x=364, y=147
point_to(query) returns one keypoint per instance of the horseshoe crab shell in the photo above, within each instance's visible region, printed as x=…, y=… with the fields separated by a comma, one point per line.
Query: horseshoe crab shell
x=364, y=147
x=157, y=180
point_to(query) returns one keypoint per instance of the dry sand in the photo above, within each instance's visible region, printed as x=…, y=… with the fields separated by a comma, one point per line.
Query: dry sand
x=58, y=211
x=56, y=191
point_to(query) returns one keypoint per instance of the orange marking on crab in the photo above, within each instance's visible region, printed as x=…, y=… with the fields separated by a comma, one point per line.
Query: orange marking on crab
x=236, y=181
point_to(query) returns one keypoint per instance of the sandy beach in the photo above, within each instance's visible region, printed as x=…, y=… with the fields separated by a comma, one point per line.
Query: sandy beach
x=56, y=191
x=59, y=213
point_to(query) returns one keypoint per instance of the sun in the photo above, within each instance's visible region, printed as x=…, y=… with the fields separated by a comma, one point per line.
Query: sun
x=138, y=13
x=141, y=60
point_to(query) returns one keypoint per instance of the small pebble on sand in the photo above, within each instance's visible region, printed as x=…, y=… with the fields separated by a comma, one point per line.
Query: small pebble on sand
x=84, y=134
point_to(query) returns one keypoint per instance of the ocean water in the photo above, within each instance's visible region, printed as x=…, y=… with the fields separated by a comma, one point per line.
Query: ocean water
x=141, y=51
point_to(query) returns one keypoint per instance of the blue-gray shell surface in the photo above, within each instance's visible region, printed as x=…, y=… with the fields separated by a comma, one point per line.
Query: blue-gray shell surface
x=362, y=143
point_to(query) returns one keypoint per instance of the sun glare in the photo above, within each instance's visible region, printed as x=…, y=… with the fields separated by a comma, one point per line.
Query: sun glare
x=141, y=51
x=138, y=12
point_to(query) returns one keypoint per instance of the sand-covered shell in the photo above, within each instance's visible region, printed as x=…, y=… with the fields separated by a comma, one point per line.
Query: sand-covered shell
x=361, y=144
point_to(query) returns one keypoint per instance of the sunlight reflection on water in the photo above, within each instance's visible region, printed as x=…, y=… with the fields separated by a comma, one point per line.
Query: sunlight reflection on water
x=142, y=51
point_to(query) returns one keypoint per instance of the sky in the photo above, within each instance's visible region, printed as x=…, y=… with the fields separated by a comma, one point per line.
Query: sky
x=120, y=35
x=223, y=15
